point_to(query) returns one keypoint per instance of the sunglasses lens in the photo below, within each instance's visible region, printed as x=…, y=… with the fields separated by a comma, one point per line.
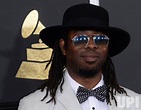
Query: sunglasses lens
x=101, y=40
x=80, y=41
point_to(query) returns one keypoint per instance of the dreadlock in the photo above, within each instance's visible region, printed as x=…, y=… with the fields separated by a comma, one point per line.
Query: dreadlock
x=110, y=80
x=55, y=78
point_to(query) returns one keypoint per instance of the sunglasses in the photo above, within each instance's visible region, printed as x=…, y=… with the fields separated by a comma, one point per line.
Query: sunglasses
x=99, y=40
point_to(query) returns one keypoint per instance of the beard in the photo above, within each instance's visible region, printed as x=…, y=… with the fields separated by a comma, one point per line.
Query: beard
x=85, y=73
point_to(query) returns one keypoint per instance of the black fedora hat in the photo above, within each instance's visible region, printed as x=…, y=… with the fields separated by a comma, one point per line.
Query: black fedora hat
x=87, y=16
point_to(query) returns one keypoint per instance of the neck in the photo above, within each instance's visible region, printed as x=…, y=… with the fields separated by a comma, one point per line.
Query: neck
x=88, y=83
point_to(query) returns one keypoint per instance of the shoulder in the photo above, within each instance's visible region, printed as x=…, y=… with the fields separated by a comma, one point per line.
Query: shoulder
x=36, y=95
x=131, y=100
x=33, y=101
x=130, y=96
x=131, y=92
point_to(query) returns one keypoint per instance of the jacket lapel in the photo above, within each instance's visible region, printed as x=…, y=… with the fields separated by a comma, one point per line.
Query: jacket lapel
x=68, y=98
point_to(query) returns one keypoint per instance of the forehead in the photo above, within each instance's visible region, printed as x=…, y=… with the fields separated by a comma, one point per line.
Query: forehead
x=72, y=33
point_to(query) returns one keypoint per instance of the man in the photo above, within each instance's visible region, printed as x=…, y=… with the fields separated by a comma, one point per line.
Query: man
x=82, y=75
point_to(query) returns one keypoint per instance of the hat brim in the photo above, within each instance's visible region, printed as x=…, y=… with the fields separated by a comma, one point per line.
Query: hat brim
x=119, y=39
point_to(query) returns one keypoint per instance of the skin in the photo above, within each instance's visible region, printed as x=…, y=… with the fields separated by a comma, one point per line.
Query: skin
x=87, y=58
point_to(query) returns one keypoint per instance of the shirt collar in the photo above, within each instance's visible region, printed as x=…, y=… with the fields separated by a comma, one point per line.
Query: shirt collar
x=75, y=84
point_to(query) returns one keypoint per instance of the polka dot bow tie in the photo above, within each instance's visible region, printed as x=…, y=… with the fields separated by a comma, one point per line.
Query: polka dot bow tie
x=99, y=93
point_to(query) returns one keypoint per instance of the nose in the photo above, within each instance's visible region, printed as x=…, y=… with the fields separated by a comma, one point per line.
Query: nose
x=91, y=44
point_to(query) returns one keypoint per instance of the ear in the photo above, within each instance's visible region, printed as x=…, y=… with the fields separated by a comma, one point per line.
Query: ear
x=62, y=46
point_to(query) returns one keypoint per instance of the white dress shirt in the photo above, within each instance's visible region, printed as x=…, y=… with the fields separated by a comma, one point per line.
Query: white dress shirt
x=92, y=103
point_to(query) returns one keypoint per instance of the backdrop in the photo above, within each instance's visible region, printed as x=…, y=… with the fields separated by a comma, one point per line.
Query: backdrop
x=123, y=13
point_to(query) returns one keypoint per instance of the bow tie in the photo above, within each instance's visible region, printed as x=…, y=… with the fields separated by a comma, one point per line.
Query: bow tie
x=99, y=93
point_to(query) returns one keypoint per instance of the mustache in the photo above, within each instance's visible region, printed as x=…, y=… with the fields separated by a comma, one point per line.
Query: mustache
x=90, y=52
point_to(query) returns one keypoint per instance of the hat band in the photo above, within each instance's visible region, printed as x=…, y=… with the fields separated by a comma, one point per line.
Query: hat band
x=88, y=22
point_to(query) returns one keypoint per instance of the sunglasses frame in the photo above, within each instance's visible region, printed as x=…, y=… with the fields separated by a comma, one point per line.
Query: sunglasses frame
x=93, y=36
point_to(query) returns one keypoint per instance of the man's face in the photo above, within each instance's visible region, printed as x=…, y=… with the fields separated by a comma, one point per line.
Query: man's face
x=85, y=61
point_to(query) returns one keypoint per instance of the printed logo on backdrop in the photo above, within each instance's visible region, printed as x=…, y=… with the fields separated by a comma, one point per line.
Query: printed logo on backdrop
x=38, y=55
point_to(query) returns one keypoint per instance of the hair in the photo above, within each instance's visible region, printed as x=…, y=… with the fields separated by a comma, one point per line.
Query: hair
x=55, y=79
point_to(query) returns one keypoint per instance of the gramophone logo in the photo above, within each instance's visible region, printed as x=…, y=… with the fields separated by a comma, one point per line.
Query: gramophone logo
x=38, y=55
